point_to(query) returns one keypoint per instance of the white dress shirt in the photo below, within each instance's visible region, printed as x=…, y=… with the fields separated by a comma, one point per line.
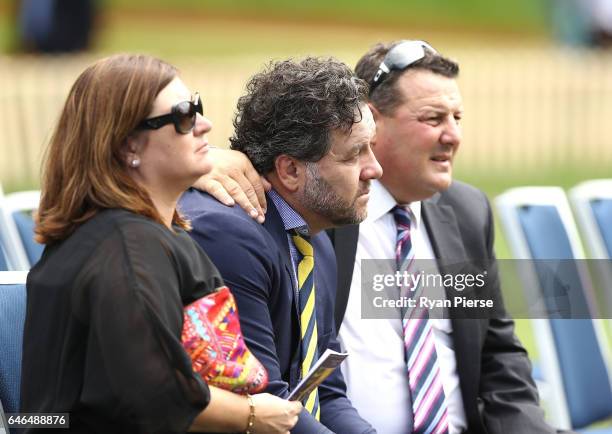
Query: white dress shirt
x=375, y=370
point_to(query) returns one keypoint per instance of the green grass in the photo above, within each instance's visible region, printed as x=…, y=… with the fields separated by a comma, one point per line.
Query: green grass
x=243, y=38
x=7, y=32
x=239, y=27
x=523, y=15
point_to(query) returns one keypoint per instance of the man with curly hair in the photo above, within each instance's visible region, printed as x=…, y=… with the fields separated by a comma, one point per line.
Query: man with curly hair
x=307, y=128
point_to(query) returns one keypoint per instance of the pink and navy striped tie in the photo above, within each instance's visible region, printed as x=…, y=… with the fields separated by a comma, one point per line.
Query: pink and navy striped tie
x=428, y=400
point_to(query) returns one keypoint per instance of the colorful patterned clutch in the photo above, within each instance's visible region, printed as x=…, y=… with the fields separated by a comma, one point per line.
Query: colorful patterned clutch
x=213, y=339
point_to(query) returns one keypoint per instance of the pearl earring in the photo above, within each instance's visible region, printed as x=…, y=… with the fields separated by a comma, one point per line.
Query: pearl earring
x=135, y=162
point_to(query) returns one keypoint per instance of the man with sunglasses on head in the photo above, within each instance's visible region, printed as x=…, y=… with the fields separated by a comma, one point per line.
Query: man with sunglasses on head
x=443, y=375
x=306, y=127
x=472, y=375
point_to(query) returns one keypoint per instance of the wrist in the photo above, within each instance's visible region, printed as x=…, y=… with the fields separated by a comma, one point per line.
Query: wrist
x=251, y=419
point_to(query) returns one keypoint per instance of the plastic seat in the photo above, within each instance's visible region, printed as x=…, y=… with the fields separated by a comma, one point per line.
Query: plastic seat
x=539, y=226
x=12, y=318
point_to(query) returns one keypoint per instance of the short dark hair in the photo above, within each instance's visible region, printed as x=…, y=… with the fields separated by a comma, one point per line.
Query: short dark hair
x=385, y=97
x=292, y=107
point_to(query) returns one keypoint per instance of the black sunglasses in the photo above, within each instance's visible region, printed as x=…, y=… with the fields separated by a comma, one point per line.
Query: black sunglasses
x=398, y=58
x=183, y=116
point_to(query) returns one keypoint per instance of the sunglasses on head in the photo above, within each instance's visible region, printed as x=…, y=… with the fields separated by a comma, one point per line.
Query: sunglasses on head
x=183, y=116
x=398, y=58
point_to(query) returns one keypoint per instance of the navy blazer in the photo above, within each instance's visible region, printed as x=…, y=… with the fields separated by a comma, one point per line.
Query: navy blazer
x=255, y=263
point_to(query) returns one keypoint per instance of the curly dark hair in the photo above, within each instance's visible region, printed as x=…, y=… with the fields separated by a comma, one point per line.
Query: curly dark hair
x=385, y=97
x=292, y=107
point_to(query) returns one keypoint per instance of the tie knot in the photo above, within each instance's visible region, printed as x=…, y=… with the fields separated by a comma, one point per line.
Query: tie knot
x=302, y=243
x=403, y=216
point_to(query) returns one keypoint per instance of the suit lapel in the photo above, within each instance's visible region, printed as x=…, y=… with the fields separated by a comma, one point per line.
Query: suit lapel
x=443, y=231
x=274, y=225
x=344, y=240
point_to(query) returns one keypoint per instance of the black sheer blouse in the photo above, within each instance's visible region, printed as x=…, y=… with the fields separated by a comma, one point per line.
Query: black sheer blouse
x=103, y=327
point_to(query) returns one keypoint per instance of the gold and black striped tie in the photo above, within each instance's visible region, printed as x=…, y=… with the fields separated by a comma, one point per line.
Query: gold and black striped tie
x=308, y=318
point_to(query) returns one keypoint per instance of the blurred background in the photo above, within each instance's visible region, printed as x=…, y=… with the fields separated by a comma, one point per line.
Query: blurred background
x=535, y=74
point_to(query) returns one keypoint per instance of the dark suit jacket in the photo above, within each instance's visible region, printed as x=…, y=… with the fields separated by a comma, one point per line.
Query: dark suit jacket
x=255, y=263
x=498, y=392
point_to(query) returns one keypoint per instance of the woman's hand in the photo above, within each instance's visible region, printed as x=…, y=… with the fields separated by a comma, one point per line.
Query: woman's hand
x=230, y=412
x=233, y=179
x=274, y=415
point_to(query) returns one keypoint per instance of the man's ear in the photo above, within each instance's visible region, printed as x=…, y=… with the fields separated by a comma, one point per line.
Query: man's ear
x=375, y=112
x=291, y=173
x=377, y=120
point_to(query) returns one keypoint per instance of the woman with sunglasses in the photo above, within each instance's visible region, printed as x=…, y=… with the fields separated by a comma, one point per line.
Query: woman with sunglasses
x=105, y=302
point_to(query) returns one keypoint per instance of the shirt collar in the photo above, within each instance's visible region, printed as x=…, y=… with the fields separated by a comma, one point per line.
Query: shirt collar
x=382, y=202
x=291, y=219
